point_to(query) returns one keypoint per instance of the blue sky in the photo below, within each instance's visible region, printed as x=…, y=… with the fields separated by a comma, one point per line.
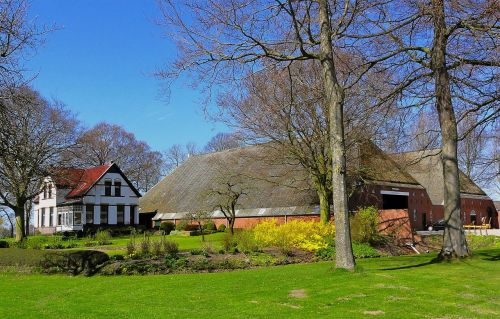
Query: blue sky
x=100, y=64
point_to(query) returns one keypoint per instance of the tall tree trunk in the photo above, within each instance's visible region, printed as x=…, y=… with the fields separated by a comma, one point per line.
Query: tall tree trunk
x=335, y=100
x=20, y=232
x=454, y=243
x=324, y=200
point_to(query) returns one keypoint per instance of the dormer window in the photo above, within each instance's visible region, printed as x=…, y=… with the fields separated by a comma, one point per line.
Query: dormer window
x=118, y=188
x=107, y=188
x=44, y=191
x=50, y=190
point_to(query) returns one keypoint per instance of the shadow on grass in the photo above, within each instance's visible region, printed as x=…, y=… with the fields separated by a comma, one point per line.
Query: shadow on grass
x=487, y=255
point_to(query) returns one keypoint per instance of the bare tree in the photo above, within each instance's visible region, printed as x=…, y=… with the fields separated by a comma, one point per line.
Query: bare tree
x=109, y=142
x=227, y=194
x=444, y=55
x=176, y=154
x=199, y=217
x=286, y=108
x=34, y=135
x=8, y=215
x=222, y=141
x=18, y=34
x=225, y=40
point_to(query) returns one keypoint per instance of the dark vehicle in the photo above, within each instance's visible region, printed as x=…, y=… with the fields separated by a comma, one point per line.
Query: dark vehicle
x=438, y=225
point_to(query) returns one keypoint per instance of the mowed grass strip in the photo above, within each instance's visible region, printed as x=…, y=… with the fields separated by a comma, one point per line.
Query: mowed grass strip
x=391, y=287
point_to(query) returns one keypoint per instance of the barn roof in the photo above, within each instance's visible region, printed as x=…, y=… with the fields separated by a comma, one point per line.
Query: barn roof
x=267, y=183
x=426, y=167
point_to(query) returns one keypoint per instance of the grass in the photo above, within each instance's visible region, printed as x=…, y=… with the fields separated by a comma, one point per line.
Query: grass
x=388, y=287
x=118, y=244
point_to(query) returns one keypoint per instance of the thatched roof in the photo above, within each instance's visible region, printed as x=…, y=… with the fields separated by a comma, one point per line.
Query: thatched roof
x=267, y=184
x=426, y=167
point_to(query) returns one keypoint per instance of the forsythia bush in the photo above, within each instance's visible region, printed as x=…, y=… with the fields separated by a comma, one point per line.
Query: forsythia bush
x=306, y=235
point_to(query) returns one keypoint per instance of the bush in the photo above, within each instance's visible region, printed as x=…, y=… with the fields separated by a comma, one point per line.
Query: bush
x=229, y=243
x=360, y=250
x=207, y=248
x=130, y=247
x=4, y=244
x=170, y=247
x=306, y=235
x=364, y=225
x=102, y=237
x=209, y=226
x=145, y=245
x=245, y=241
x=167, y=227
x=182, y=225
x=479, y=242
x=222, y=228
x=156, y=247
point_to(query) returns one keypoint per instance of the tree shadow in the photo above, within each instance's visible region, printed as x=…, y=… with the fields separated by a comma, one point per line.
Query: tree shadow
x=87, y=262
x=434, y=260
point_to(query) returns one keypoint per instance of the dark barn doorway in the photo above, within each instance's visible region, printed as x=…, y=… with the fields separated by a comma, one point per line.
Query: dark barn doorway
x=390, y=201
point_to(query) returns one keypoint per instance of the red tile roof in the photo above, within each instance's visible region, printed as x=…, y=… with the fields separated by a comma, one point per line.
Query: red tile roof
x=79, y=181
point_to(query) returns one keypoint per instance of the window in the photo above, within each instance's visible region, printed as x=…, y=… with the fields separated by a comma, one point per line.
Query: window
x=51, y=217
x=107, y=188
x=120, y=214
x=89, y=214
x=43, y=218
x=118, y=188
x=77, y=214
x=473, y=217
x=59, y=218
x=104, y=214
x=50, y=190
x=45, y=192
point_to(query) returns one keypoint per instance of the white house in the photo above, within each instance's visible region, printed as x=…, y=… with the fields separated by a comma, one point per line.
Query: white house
x=72, y=198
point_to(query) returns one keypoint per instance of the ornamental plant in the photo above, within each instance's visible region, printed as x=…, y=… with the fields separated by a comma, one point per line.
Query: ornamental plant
x=305, y=235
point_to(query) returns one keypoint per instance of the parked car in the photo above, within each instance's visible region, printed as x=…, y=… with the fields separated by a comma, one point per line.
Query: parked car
x=439, y=225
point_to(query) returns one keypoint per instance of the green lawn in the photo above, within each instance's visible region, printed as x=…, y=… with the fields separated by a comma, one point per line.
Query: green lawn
x=118, y=244
x=390, y=287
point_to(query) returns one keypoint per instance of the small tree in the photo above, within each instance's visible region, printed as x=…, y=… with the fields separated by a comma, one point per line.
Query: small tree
x=199, y=217
x=7, y=216
x=227, y=194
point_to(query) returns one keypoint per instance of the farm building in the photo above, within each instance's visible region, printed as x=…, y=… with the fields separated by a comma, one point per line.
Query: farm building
x=282, y=189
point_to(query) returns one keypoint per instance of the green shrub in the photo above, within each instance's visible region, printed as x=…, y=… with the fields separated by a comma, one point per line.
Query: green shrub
x=182, y=225
x=130, y=247
x=156, y=247
x=479, y=242
x=145, y=245
x=222, y=228
x=170, y=247
x=4, y=244
x=245, y=241
x=209, y=226
x=228, y=242
x=364, y=225
x=360, y=250
x=207, y=248
x=167, y=227
x=102, y=237
x=196, y=251
x=173, y=262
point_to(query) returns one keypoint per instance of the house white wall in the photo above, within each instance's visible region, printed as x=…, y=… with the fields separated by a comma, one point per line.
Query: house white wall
x=95, y=196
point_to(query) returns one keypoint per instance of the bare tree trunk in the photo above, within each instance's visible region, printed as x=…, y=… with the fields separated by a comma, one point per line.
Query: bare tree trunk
x=335, y=99
x=231, y=225
x=324, y=205
x=454, y=243
x=20, y=232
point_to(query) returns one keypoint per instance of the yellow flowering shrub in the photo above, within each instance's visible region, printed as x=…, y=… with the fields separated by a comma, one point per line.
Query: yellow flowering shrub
x=306, y=235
